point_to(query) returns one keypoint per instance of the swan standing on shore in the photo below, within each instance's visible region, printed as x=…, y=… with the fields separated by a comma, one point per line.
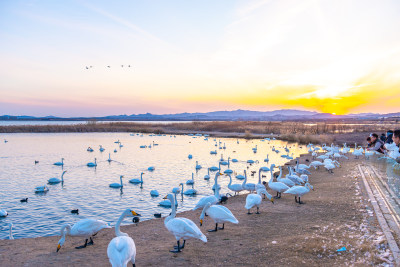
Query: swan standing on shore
x=299, y=191
x=219, y=214
x=181, y=228
x=286, y=181
x=237, y=188
x=85, y=228
x=255, y=200
x=278, y=187
x=122, y=248
x=212, y=199
x=56, y=180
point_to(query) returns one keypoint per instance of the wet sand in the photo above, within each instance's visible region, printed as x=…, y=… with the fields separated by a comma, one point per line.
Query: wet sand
x=284, y=234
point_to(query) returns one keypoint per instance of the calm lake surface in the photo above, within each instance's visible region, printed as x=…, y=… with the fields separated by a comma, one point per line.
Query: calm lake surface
x=22, y=122
x=87, y=189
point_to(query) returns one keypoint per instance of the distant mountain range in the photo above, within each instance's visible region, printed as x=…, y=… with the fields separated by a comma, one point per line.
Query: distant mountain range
x=234, y=115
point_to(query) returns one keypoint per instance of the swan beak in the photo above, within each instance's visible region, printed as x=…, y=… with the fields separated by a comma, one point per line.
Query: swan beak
x=272, y=200
x=134, y=213
x=165, y=197
x=201, y=222
x=58, y=247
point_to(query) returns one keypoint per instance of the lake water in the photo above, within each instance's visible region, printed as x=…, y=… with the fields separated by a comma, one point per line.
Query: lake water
x=87, y=189
x=22, y=122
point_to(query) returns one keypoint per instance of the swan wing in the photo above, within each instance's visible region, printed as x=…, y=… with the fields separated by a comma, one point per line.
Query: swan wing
x=296, y=190
x=88, y=227
x=204, y=200
x=185, y=228
x=251, y=200
x=221, y=214
x=121, y=250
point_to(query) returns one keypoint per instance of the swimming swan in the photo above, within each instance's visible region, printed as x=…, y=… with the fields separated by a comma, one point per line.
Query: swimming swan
x=85, y=228
x=91, y=164
x=56, y=180
x=118, y=185
x=137, y=181
x=181, y=228
x=3, y=213
x=60, y=163
x=219, y=214
x=122, y=248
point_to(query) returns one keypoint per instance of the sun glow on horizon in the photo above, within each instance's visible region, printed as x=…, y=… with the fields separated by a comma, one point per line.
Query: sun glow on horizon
x=323, y=56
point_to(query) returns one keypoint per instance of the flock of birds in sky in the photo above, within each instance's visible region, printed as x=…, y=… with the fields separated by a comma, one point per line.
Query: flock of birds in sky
x=122, y=249
x=108, y=66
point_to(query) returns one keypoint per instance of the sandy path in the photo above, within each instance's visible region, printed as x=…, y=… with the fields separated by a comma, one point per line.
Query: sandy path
x=285, y=233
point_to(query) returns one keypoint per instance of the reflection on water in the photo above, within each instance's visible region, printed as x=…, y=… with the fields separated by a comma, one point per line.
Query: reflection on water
x=87, y=189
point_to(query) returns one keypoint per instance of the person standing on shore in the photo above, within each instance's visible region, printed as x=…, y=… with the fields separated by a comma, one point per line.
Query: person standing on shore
x=376, y=143
x=383, y=137
x=396, y=140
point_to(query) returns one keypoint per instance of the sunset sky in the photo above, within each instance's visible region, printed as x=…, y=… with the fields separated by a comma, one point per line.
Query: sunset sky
x=198, y=56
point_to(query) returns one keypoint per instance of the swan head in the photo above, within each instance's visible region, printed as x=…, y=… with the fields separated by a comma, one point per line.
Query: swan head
x=170, y=197
x=121, y=176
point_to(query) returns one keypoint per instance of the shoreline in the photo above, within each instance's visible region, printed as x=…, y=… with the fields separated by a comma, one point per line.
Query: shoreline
x=285, y=233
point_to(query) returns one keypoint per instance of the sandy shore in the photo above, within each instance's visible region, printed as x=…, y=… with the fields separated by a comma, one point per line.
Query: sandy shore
x=284, y=234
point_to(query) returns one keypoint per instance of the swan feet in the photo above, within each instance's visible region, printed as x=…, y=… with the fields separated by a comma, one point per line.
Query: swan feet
x=181, y=247
x=178, y=248
x=83, y=246
x=214, y=230
x=257, y=211
x=221, y=228
x=299, y=201
x=248, y=212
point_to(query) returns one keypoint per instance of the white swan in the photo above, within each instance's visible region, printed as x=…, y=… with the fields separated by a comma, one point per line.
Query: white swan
x=137, y=181
x=198, y=167
x=60, y=163
x=267, y=159
x=56, y=180
x=261, y=185
x=118, y=185
x=237, y=188
x=177, y=189
x=255, y=200
x=278, y=187
x=191, y=181
x=122, y=248
x=154, y=193
x=207, y=176
x=181, y=228
x=219, y=214
x=286, y=181
x=41, y=189
x=3, y=213
x=11, y=237
x=213, y=199
x=109, y=157
x=85, y=228
x=190, y=192
x=248, y=186
x=316, y=164
x=299, y=191
x=91, y=164
x=167, y=203
x=101, y=149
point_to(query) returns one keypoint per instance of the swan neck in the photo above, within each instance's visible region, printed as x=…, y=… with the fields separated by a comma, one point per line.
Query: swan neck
x=230, y=180
x=120, y=178
x=65, y=229
x=117, y=226
x=259, y=176
x=216, y=193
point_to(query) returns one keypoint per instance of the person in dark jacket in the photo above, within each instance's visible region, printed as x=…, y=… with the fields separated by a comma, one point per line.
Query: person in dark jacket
x=376, y=143
x=389, y=137
x=383, y=137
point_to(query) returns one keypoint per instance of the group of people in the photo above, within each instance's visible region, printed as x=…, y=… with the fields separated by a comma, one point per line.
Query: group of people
x=376, y=143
